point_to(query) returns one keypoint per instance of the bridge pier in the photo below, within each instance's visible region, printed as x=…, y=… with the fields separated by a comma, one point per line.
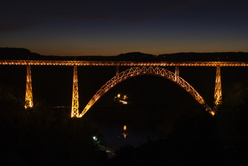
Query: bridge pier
x=176, y=73
x=29, y=93
x=217, y=90
x=75, y=95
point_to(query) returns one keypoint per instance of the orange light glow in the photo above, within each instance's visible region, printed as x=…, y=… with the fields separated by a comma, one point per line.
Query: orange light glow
x=212, y=113
x=125, y=97
x=124, y=135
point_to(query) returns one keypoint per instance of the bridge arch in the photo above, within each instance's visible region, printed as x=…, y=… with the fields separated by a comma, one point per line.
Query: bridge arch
x=136, y=71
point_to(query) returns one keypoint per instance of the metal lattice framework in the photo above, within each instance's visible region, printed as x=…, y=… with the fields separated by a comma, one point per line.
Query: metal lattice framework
x=217, y=90
x=75, y=94
x=135, y=71
x=142, y=68
x=123, y=63
x=29, y=93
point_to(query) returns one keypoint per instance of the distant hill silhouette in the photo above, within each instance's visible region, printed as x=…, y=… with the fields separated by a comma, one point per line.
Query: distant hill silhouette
x=215, y=56
x=17, y=53
x=24, y=54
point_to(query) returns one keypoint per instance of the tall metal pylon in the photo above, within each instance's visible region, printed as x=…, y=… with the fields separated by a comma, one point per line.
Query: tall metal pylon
x=75, y=95
x=217, y=90
x=29, y=93
x=176, y=73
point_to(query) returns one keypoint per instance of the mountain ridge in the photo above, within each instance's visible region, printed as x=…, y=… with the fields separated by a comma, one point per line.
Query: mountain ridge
x=7, y=53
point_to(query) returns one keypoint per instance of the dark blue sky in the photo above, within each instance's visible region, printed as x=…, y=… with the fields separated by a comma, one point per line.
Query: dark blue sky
x=111, y=27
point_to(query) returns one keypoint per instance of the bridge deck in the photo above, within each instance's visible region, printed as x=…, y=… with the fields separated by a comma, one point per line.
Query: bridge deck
x=123, y=63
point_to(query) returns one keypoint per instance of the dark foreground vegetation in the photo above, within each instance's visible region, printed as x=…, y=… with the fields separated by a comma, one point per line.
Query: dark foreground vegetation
x=44, y=136
x=41, y=136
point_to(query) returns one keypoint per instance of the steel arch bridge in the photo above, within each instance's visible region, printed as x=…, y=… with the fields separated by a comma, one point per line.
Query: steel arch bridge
x=136, y=71
x=141, y=68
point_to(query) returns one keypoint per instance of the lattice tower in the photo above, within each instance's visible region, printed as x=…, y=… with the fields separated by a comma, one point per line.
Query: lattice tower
x=29, y=93
x=75, y=94
x=217, y=90
x=176, y=73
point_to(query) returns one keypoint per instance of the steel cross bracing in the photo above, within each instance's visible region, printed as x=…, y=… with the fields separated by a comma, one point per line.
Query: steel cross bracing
x=122, y=63
x=217, y=90
x=29, y=93
x=135, y=71
x=75, y=94
x=141, y=68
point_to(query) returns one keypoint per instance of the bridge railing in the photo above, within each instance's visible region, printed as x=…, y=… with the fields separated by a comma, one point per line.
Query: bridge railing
x=123, y=63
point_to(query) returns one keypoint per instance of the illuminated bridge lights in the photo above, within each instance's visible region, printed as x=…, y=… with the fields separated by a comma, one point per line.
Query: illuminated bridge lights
x=137, y=68
x=123, y=63
x=135, y=71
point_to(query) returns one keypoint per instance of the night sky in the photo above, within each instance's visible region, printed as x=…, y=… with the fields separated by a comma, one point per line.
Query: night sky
x=111, y=27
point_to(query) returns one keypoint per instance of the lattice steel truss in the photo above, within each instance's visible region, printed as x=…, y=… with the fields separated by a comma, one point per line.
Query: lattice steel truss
x=123, y=63
x=142, y=68
x=75, y=95
x=29, y=93
x=135, y=71
x=217, y=90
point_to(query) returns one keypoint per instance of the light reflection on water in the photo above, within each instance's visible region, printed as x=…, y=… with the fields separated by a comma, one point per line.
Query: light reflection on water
x=115, y=136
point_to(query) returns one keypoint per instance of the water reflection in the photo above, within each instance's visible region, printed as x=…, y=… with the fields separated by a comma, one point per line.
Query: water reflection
x=118, y=135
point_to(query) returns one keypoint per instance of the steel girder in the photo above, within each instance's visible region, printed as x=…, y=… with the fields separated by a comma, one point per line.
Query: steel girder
x=135, y=71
